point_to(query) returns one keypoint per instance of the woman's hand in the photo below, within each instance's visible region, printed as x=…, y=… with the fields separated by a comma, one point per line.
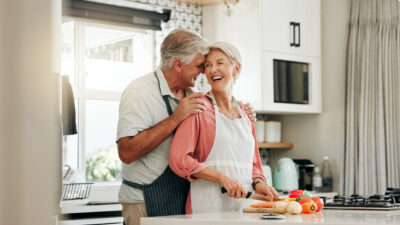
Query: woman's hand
x=233, y=188
x=268, y=191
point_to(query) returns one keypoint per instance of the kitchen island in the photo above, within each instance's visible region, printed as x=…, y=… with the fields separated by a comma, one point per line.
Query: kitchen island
x=327, y=216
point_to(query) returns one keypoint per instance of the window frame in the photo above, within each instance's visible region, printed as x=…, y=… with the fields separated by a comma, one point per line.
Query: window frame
x=81, y=93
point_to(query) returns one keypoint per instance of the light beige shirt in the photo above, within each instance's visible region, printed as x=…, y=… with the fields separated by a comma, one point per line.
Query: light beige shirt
x=142, y=107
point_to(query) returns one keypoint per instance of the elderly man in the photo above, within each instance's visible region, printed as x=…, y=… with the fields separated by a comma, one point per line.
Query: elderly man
x=151, y=108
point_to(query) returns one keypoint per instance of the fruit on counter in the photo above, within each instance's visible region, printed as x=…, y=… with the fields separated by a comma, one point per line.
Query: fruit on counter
x=294, y=208
x=280, y=207
x=263, y=205
x=288, y=199
x=309, y=207
x=319, y=202
x=296, y=194
x=302, y=194
x=304, y=200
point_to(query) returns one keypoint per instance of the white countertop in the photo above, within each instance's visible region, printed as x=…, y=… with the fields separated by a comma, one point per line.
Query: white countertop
x=326, y=216
x=81, y=206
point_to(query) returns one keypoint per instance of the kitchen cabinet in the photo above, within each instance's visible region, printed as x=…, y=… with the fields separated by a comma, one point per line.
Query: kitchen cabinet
x=291, y=27
x=261, y=30
x=242, y=29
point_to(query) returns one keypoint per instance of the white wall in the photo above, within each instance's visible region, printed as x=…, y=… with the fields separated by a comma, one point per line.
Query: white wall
x=30, y=128
x=318, y=135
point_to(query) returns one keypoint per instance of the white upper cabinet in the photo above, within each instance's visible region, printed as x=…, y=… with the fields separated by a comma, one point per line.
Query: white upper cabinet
x=291, y=26
x=242, y=29
x=280, y=43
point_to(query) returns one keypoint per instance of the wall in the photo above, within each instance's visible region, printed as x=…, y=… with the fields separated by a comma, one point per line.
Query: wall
x=30, y=130
x=318, y=135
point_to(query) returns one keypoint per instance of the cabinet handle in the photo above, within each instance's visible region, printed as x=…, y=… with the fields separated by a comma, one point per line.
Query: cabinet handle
x=293, y=26
x=298, y=31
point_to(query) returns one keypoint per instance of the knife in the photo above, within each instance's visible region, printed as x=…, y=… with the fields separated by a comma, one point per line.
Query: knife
x=250, y=195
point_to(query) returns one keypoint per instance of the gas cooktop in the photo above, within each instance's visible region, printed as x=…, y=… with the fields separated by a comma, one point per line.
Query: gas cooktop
x=389, y=201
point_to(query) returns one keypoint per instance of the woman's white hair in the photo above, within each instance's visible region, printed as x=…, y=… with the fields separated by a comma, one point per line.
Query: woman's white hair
x=182, y=44
x=231, y=51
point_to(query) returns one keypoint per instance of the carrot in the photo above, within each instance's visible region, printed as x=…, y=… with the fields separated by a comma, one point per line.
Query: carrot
x=263, y=205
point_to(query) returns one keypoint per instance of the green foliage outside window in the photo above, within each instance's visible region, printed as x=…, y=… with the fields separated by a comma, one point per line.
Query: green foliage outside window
x=103, y=165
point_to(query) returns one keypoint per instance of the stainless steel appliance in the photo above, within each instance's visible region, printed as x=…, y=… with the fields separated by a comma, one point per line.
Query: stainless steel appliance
x=291, y=82
x=389, y=201
x=306, y=169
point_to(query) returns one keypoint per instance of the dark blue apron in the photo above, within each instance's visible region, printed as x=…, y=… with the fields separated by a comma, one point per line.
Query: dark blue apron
x=168, y=193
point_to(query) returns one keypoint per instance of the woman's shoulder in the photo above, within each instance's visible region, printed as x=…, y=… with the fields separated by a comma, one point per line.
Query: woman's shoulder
x=209, y=111
x=208, y=102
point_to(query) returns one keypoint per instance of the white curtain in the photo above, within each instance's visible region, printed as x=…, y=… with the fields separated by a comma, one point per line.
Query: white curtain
x=372, y=145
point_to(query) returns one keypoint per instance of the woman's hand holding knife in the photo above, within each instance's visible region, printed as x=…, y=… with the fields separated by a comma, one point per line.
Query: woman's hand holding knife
x=233, y=188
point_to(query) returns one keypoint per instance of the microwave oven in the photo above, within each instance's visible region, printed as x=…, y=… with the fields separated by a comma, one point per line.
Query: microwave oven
x=291, y=81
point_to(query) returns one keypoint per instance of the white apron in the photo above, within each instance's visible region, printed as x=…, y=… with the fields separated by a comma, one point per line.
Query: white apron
x=231, y=154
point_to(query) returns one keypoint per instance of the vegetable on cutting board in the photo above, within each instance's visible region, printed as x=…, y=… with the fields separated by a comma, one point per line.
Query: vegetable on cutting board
x=280, y=207
x=294, y=208
x=299, y=201
x=263, y=205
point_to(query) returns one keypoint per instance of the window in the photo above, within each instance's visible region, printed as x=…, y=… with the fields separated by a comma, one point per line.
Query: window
x=101, y=60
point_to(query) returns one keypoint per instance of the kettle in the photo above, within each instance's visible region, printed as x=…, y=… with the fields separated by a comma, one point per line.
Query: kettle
x=285, y=175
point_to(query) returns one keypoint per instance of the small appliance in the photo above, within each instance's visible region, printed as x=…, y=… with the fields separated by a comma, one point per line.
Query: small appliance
x=306, y=169
x=285, y=175
x=291, y=82
x=268, y=174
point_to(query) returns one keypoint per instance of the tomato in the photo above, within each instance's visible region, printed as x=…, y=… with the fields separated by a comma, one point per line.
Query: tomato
x=309, y=207
x=304, y=200
x=319, y=202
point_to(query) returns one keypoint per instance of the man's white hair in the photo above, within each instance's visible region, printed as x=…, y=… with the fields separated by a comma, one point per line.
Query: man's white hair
x=231, y=51
x=182, y=44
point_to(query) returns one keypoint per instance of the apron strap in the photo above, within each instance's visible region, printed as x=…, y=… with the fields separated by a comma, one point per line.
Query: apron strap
x=133, y=185
x=165, y=97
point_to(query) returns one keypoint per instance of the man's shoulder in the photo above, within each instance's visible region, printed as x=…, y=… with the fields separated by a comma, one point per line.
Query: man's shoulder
x=143, y=82
x=144, y=86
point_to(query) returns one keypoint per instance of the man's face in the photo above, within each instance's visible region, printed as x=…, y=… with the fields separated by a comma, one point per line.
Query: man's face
x=191, y=70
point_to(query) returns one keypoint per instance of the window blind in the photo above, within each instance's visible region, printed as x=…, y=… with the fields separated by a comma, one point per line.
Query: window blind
x=115, y=14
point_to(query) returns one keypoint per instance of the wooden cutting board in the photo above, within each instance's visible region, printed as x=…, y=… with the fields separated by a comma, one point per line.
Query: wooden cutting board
x=258, y=210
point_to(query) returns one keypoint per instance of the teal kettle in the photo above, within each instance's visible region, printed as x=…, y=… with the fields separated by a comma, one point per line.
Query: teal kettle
x=285, y=175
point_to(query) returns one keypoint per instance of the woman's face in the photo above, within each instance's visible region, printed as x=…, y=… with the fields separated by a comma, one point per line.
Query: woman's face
x=220, y=70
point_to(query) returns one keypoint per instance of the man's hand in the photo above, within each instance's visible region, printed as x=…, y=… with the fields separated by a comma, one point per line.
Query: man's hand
x=250, y=112
x=189, y=105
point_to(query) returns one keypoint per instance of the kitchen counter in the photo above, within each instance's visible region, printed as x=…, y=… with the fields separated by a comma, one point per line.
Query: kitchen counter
x=326, y=216
x=78, y=212
x=81, y=206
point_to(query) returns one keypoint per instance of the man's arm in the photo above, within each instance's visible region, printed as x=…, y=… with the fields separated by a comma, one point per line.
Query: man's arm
x=133, y=148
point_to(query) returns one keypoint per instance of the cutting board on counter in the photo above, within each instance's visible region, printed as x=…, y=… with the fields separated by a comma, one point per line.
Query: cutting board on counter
x=258, y=210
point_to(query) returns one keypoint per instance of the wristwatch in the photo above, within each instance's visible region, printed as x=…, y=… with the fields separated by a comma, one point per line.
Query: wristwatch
x=255, y=183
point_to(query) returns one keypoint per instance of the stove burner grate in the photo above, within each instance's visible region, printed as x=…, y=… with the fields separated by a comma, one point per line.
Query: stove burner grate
x=390, y=200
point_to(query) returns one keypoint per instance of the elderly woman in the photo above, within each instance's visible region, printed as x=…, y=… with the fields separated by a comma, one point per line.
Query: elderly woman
x=217, y=147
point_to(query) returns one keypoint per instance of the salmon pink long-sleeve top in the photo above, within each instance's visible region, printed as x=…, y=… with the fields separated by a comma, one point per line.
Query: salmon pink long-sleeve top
x=192, y=144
